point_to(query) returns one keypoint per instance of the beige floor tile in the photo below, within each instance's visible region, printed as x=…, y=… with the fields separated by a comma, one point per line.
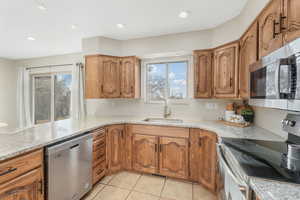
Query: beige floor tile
x=112, y=193
x=150, y=184
x=200, y=193
x=125, y=180
x=141, y=196
x=177, y=190
x=96, y=189
x=107, y=179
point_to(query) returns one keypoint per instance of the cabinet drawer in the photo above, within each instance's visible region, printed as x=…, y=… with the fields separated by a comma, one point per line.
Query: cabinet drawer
x=98, y=144
x=98, y=172
x=99, y=134
x=99, y=156
x=17, y=166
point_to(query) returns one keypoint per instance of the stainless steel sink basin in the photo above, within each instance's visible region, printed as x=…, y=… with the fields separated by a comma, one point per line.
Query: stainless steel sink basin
x=163, y=120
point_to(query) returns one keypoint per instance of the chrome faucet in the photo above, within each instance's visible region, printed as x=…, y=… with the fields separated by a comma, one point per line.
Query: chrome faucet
x=167, y=109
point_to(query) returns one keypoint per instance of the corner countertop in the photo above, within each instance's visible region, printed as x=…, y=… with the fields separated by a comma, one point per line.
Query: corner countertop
x=13, y=144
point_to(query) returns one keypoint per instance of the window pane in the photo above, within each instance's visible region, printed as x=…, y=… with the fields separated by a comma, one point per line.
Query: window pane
x=157, y=81
x=178, y=80
x=62, y=96
x=42, y=99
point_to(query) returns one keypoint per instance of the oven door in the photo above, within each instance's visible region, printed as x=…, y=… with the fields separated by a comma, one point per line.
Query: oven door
x=230, y=186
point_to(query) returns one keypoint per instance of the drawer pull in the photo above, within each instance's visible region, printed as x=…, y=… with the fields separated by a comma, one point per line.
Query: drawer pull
x=10, y=170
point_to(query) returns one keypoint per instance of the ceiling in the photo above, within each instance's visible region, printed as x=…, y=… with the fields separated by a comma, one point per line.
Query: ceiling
x=53, y=33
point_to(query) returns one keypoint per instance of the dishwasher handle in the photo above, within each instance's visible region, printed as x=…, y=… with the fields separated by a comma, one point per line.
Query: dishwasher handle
x=74, y=146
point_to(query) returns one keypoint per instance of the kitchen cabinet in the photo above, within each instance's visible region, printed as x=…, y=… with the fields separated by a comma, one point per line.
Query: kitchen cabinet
x=99, y=154
x=130, y=77
x=127, y=162
x=115, y=147
x=248, y=56
x=22, y=177
x=203, y=158
x=112, y=77
x=203, y=73
x=145, y=157
x=270, y=33
x=173, y=157
x=290, y=20
x=226, y=71
x=160, y=150
x=28, y=186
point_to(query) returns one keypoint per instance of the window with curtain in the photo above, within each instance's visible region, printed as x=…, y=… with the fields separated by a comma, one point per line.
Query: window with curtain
x=167, y=80
x=51, y=97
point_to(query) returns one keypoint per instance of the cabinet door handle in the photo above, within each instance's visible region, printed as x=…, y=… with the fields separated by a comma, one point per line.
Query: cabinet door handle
x=155, y=147
x=200, y=141
x=160, y=147
x=282, y=18
x=274, y=28
x=9, y=170
x=41, y=187
x=230, y=82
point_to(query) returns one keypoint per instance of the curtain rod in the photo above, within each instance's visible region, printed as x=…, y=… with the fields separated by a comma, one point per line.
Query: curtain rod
x=62, y=65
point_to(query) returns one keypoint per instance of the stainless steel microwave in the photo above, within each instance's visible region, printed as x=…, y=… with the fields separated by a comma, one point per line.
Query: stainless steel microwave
x=275, y=79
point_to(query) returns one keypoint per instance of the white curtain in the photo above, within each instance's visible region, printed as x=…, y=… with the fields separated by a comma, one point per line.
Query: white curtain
x=77, y=97
x=23, y=98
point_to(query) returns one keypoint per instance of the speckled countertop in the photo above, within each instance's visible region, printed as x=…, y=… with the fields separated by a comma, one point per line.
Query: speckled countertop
x=13, y=144
x=273, y=190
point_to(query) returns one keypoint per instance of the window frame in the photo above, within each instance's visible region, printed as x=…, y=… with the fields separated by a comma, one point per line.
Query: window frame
x=52, y=110
x=167, y=61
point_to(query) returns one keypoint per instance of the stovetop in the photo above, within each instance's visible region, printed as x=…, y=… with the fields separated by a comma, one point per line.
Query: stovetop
x=263, y=159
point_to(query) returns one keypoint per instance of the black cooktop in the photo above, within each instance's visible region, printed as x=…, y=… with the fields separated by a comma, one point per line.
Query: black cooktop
x=264, y=159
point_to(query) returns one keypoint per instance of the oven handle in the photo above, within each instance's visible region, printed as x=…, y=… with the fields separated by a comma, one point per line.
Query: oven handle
x=242, y=187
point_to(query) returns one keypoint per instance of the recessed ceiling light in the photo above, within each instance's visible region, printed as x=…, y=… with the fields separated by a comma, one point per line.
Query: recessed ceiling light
x=120, y=25
x=42, y=7
x=74, y=26
x=184, y=14
x=30, y=38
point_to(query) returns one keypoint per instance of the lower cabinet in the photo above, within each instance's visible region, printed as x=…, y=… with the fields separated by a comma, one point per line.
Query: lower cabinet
x=203, y=158
x=173, y=157
x=115, y=147
x=145, y=156
x=25, y=187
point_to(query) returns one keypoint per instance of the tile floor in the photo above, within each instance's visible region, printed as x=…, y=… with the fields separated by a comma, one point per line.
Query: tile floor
x=134, y=186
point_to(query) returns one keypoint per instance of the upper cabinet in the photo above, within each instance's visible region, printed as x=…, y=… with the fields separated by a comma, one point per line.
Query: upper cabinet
x=130, y=77
x=291, y=20
x=248, y=56
x=270, y=33
x=112, y=77
x=226, y=71
x=203, y=74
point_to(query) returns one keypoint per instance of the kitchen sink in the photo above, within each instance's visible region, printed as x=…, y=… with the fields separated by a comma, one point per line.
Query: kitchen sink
x=163, y=120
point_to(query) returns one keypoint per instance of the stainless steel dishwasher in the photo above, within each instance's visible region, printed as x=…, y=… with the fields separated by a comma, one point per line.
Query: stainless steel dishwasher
x=69, y=168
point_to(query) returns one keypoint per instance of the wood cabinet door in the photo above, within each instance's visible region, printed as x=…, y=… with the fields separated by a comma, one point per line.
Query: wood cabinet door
x=92, y=77
x=110, y=76
x=130, y=77
x=226, y=71
x=173, y=157
x=292, y=21
x=203, y=74
x=270, y=36
x=26, y=187
x=145, y=156
x=208, y=159
x=248, y=56
x=115, y=147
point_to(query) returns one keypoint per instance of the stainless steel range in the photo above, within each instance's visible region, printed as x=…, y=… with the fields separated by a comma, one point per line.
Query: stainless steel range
x=241, y=159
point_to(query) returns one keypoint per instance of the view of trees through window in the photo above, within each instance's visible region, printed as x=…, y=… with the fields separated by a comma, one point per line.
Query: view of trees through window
x=167, y=80
x=52, y=97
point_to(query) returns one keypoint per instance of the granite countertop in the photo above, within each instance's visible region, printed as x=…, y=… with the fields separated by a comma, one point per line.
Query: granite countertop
x=12, y=144
x=273, y=190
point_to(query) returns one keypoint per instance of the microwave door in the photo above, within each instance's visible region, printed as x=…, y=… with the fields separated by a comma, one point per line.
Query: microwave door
x=294, y=103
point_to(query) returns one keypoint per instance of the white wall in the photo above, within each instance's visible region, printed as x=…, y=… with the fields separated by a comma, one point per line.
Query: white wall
x=8, y=88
